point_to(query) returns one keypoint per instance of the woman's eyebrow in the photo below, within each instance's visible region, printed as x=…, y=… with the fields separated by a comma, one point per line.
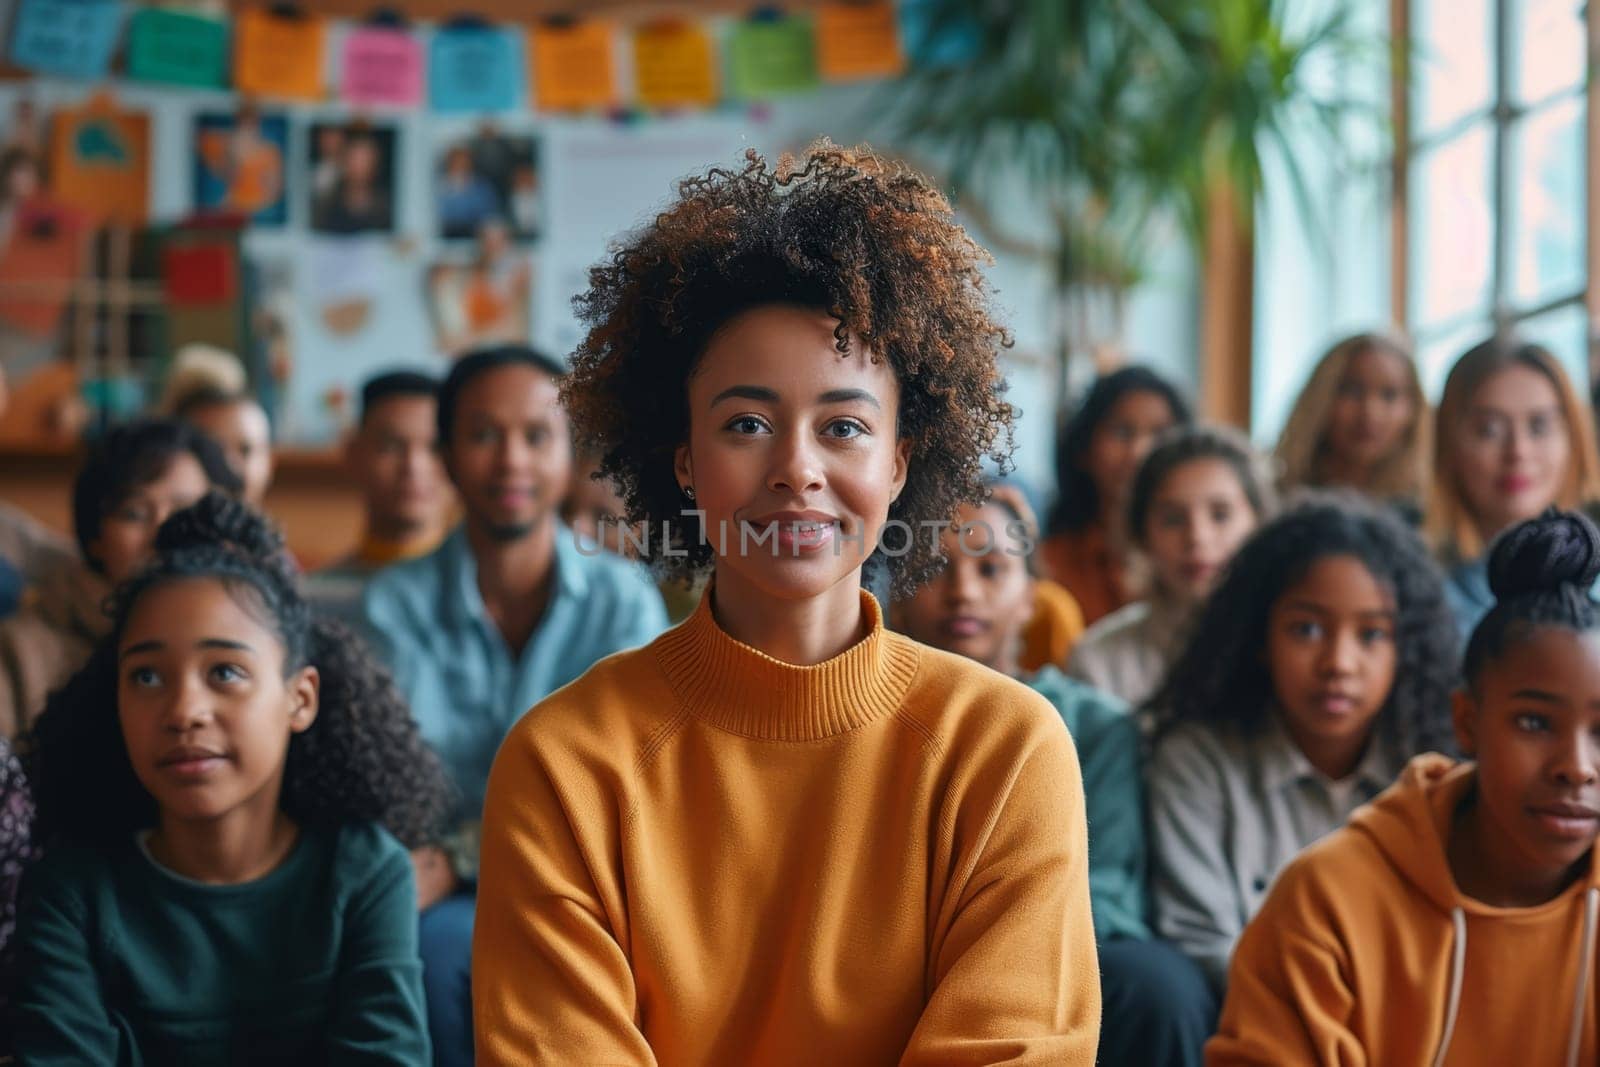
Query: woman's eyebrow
x=746, y=392
x=841, y=396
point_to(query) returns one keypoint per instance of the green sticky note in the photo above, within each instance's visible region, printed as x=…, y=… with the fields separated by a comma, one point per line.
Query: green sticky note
x=178, y=49
x=770, y=56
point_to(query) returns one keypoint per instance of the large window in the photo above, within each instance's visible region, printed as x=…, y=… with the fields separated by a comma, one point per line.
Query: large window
x=1496, y=178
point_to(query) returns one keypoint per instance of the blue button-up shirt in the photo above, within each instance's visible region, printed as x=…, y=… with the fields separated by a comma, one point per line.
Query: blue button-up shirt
x=465, y=688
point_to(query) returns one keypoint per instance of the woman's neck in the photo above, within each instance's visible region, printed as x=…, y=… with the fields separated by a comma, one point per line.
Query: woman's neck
x=803, y=632
x=1487, y=867
x=239, y=847
x=1337, y=471
x=1335, y=758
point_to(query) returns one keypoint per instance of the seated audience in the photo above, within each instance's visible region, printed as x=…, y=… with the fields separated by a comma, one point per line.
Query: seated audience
x=506, y=611
x=133, y=478
x=1097, y=453
x=393, y=460
x=1156, y=1006
x=1514, y=438
x=1198, y=494
x=231, y=889
x=1321, y=663
x=238, y=423
x=1361, y=422
x=1454, y=920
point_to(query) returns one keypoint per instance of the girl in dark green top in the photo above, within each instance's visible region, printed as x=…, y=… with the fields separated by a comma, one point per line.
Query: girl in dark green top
x=220, y=792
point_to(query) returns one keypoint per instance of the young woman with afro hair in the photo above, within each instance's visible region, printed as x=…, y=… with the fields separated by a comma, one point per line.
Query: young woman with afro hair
x=781, y=833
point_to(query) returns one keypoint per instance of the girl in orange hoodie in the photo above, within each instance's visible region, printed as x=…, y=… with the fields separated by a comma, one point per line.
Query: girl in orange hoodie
x=1453, y=921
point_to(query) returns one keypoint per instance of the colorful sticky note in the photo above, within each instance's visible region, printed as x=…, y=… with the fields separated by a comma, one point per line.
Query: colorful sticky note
x=382, y=66
x=860, y=39
x=178, y=49
x=473, y=68
x=573, y=67
x=674, y=66
x=198, y=273
x=937, y=34
x=278, y=55
x=100, y=161
x=769, y=56
x=69, y=38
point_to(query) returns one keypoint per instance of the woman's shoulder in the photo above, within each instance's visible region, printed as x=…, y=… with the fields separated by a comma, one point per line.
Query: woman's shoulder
x=623, y=695
x=956, y=697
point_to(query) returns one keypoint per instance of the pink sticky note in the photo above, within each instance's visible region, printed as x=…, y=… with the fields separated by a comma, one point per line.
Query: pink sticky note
x=381, y=66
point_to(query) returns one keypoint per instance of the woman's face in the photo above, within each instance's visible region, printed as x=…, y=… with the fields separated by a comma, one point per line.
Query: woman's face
x=1373, y=408
x=1198, y=517
x=1533, y=725
x=980, y=603
x=128, y=529
x=1331, y=653
x=204, y=702
x=1512, y=449
x=793, y=453
x=1121, y=440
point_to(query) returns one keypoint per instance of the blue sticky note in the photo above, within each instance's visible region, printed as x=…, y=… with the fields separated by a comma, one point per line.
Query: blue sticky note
x=67, y=38
x=937, y=34
x=473, y=68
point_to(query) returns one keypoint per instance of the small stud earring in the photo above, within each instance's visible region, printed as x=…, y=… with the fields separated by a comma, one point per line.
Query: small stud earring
x=688, y=491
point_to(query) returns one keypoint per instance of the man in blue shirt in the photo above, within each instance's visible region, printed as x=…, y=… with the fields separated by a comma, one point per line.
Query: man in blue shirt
x=504, y=612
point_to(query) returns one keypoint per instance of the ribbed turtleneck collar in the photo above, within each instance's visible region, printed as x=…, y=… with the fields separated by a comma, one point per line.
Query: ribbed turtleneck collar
x=739, y=688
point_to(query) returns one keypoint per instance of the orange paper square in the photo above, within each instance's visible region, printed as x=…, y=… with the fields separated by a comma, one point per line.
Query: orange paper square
x=573, y=66
x=276, y=56
x=100, y=161
x=858, y=40
x=674, y=66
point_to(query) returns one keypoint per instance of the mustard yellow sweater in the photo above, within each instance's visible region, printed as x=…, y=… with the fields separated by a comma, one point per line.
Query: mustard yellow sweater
x=698, y=854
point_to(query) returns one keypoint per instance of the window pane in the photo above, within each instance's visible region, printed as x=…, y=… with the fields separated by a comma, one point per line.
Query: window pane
x=1564, y=331
x=1453, y=66
x=1547, y=203
x=1549, y=43
x=1452, y=232
x=1438, y=352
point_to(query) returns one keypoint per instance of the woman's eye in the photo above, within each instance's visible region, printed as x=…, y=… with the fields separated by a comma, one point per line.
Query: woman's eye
x=988, y=569
x=482, y=437
x=1530, y=723
x=1374, y=635
x=1305, y=628
x=228, y=672
x=144, y=677
x=1541, y=426
x=844, y=429
x=747, y=424
x=1391, y=396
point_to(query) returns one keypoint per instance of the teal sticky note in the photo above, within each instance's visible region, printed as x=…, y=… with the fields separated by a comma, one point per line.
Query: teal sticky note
x=177, y=49
x=938, y=34
x=473, y=68
x=771, y=55
x=67, y=38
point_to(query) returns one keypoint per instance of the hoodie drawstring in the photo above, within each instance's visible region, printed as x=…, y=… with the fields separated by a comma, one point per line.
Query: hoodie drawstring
x=1458, y=971
x=1458, y=918
x=1591, y=905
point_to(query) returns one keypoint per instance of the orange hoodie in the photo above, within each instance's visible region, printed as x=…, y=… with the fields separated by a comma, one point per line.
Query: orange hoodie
x=1366, y=953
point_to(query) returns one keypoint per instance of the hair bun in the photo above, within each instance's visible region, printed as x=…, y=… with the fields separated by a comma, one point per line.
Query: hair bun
x=219, y=521
x=1559, y=548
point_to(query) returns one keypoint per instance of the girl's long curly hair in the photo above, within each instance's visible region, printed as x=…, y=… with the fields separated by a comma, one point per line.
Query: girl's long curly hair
x=1221, y=678
x=869, y=243
x=361, y=759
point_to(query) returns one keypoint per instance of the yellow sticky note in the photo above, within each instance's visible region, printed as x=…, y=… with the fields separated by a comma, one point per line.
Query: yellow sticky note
x=674, y=66
x=278, y=56
x=573, y=66
x=858, y=40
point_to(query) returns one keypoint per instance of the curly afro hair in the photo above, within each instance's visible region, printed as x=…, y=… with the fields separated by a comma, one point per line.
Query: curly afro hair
x=867, y=242
x=1219, y=680
x=361, y=759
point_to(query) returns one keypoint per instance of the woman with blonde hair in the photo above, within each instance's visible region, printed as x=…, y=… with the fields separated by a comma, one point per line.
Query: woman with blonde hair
x=1361, y=422
x=1514, y=438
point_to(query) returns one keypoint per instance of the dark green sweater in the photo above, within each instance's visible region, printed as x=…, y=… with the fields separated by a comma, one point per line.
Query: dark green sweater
x=123, y=962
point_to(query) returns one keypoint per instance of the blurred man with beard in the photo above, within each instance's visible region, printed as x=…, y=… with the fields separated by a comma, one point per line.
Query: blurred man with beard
x=500, y=615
